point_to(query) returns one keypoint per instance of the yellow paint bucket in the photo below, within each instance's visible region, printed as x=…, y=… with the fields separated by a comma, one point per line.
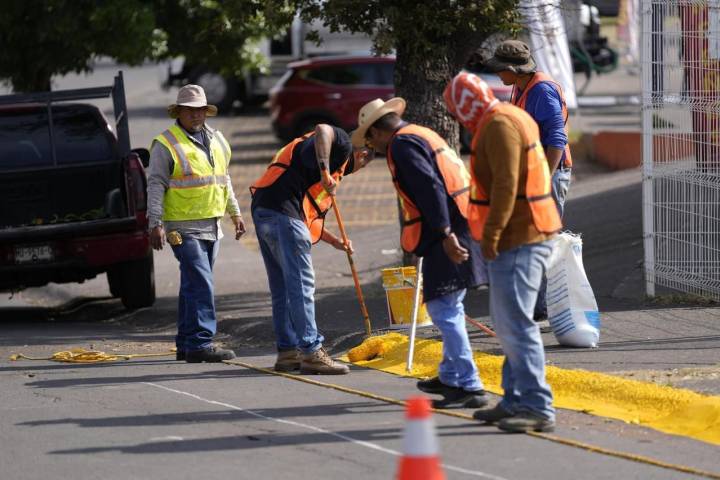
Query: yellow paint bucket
x=399, y=284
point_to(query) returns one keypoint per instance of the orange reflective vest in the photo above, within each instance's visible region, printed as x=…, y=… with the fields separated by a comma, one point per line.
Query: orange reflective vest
x=520, y=101
x=537, y=187
x=454, y=175
x=316, y=201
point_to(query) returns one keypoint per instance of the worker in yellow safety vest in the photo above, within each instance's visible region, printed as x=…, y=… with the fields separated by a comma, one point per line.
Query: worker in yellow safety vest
x=189, y=191
x=514, y=217
x=289, y=203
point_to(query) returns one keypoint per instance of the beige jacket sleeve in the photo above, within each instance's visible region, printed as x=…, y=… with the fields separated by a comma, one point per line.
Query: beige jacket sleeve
x=503, y=152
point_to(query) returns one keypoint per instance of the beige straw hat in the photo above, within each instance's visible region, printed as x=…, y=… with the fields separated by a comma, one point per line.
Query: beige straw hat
x=370, y=113
x=191, y=96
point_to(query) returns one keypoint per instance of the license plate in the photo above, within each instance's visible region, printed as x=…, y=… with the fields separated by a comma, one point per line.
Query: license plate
x=33, y=254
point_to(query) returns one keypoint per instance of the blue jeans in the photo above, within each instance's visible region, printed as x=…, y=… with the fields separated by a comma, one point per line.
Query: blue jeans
x=457, y=368
x=196, y=322
x=560, y=187
x=514, y=281
x=285, y=246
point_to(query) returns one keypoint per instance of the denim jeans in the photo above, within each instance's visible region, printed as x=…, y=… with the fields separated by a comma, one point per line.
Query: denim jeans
x=196, y=322
x=457, y=368
x=560, y=187
x=514, y=280
x=285, y=246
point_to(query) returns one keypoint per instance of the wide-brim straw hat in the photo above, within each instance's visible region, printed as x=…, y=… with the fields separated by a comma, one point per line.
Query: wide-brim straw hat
x=370, y=113
x=191, y=96
x=513, y=56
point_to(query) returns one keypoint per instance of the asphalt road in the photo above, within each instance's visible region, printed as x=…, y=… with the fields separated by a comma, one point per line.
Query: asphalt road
x=157, y=418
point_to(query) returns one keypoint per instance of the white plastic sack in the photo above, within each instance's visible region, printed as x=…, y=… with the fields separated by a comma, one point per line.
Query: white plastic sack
x=572, y=309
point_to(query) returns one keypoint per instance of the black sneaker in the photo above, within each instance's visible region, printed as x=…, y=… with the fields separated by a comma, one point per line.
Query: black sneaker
x=431, y=385
x=210, y=355
x=523, y=422
x=180, y=355
x=455, y=397
x=492, y=415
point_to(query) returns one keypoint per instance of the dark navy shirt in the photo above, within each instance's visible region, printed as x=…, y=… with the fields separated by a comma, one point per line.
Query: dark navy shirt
x=419, y=177
x=544, y=104
x=286, y=194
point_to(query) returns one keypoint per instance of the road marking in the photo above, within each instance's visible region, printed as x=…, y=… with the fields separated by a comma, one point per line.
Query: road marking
x=362, y=443
x=546, y=436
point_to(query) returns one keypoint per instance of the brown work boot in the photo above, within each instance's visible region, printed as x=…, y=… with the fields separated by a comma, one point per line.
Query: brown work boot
x=288, y=361
x=319, y=362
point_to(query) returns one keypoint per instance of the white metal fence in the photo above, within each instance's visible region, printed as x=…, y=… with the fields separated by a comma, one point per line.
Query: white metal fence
x=680, y=48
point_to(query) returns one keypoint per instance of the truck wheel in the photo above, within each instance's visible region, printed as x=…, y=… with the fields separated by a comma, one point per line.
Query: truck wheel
x=138, y=286
x=220, y=91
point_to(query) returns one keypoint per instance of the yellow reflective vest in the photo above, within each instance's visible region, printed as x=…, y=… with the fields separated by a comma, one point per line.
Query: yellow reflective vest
x=197, y=189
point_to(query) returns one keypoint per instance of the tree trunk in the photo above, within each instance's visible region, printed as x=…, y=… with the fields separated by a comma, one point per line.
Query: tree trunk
x=420, y=81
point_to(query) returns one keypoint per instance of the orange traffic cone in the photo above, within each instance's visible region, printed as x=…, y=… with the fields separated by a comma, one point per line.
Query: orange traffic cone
x=420, y=460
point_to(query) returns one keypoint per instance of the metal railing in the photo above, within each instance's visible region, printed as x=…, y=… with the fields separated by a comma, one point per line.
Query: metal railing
x=680, y=57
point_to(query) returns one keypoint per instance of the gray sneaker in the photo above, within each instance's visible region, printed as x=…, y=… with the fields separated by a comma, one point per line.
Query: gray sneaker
x=320, y=363
x=523, y=422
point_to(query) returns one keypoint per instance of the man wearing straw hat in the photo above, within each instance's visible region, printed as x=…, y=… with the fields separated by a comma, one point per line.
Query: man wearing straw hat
x=432, y=184
x=189, y=191
x=289, y=203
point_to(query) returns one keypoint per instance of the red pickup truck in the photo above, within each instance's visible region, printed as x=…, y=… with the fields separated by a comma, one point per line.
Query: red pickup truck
x=73, y=195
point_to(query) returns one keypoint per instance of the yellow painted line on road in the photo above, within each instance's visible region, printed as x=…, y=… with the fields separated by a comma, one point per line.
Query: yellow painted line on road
x=545, y=436
x=670, y=410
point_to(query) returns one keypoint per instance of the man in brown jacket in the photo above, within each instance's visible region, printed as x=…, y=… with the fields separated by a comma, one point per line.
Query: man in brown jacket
x=514, y=217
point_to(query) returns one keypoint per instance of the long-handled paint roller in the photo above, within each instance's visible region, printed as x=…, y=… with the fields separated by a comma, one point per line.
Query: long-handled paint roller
x=416, y=308
x=358, y=290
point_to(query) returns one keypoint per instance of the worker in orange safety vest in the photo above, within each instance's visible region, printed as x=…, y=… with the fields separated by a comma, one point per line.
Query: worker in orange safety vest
x=514, y=217
x=432, y=184
x=289, y=203
x=544, y=99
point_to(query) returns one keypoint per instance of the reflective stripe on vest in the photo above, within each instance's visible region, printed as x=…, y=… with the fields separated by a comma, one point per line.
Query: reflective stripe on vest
x=197, y=189
x=520, y=101
x=454, y=175
x=537, y=185
x=316, y=201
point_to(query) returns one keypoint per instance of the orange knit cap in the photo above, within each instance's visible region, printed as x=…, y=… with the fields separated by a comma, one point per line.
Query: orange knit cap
x=467, y=97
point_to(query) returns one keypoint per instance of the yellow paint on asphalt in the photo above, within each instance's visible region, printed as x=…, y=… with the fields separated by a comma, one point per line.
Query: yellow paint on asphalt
x=670, y=410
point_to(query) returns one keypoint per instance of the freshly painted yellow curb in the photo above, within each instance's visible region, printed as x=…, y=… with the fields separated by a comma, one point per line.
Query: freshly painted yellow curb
x=670, y=410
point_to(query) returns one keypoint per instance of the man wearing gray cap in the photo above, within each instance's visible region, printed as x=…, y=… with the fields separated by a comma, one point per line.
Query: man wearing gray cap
x=543, y=98
x=189, y=191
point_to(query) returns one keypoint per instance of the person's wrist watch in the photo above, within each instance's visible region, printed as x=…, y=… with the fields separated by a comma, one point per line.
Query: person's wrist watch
x=157, y=223
x=446, y=233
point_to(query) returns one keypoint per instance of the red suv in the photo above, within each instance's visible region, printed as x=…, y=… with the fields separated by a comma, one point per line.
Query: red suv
x=328, y=90
x=333, y=89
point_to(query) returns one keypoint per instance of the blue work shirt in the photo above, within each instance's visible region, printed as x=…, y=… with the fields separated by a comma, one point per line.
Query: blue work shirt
x=419, y=177
x=544, y=104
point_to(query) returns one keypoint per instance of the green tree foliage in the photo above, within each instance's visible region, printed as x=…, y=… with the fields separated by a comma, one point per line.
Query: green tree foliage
x=42, y=38
x=432, y=40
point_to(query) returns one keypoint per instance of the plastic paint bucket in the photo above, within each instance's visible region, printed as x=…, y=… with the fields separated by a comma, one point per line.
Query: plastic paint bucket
x=399, y=284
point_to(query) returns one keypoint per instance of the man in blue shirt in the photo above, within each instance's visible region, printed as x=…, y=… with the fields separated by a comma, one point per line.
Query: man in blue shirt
x=543, y=98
